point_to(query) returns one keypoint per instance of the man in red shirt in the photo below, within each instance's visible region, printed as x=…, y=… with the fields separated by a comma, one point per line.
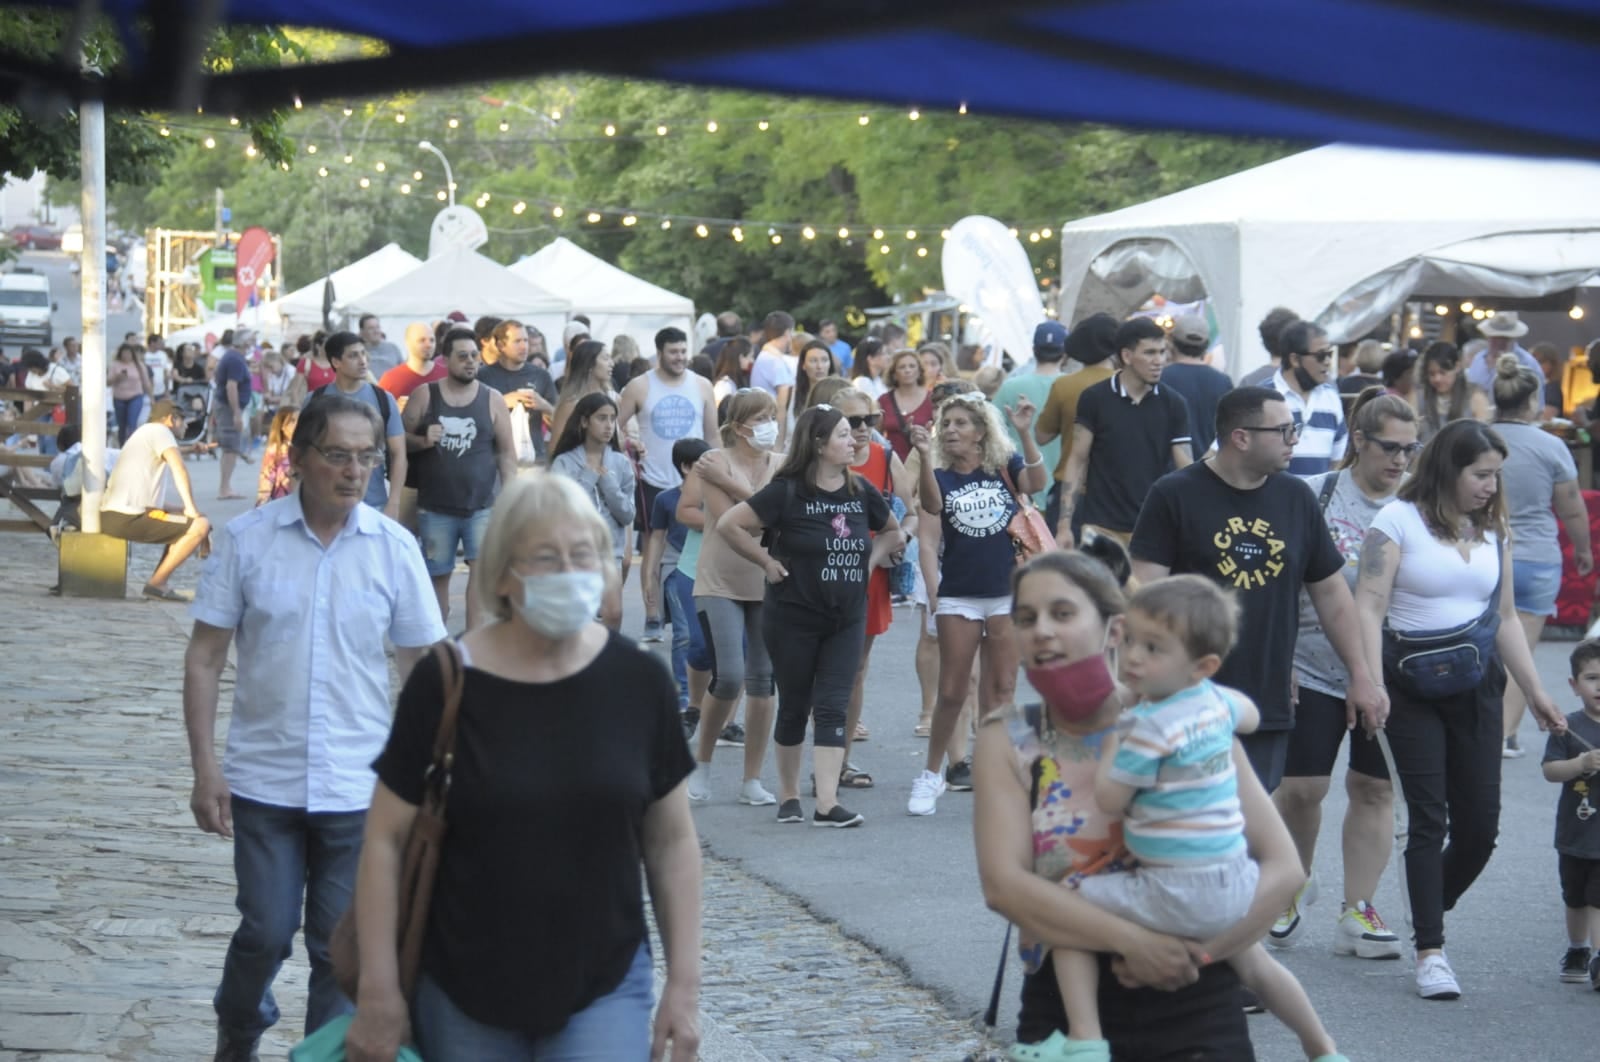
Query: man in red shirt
x=419, y=368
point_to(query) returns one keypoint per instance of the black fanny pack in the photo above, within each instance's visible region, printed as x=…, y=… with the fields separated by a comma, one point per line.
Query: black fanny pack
x=1443, y=663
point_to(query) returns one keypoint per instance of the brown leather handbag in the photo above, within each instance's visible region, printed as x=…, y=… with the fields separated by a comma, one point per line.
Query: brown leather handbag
x=424, y=843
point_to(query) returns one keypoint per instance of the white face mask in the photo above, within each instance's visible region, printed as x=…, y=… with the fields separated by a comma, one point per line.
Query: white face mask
x=559, y=604
x=764, y=436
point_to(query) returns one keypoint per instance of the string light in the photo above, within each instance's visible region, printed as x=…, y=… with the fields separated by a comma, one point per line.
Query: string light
x=777, y=238
x=865, y=119
x=249, y=151
x=944, y=234
x=611, y=130
x=711, y=126
x=519, y=207
x=348, y=159
x=883, y=249
x=763, y=125
x=911, y=234
x=400, y=119
x=440, y=195
x=555, y=115
x=1033, y=237
x=630, y=221
x=666, y=223
x=1045, y=233
x=557, y=212
x=454, y=123
x=593, y=218
x=915, y=114
x=405, y=189
x=233, y=121
x=348, y=112
x=1466, y=307
x=297, y=104
x=165, y=131
x=322, y=171
x=311, y=149
x=844, y=233
x=922, y=252
x=505, y=126
x=1576, y=313
x=738, y=234
x=210, y=142
x=1441, y=309
x=380, y=165
x=809, y=233
x=877, y=234
x=365, y=182
x=416, y=175
x=661, y=130
x=701, y=231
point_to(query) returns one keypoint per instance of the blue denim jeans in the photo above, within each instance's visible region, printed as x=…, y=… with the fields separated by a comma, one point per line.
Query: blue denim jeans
x=614, y=1028
x=688, y=639
x=282, y=856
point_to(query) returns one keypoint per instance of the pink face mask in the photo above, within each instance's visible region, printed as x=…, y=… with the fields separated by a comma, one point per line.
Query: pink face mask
x=1077, y=690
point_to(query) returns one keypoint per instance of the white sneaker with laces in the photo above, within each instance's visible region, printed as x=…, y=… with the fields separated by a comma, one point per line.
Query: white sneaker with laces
x=925, y=793
x=1361, y=933
x=753, y=794
x=1435, y=979
x=1289, y=924
x=700, y=784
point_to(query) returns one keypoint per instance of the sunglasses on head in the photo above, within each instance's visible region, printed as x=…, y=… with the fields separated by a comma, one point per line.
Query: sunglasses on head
x=870, y=420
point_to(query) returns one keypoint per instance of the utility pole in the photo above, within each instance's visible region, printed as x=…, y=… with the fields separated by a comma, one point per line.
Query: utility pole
x=222, y=224
x=92, y=278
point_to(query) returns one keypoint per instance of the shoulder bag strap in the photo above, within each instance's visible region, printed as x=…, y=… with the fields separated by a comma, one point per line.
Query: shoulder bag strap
x=1328, y=486
x=453, y=676
x=1005, y=475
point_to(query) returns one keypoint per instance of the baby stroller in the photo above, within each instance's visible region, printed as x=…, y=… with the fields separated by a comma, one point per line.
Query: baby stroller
x=194, y=403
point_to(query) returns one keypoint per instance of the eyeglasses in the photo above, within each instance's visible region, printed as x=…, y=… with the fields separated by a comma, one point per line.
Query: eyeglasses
x=367, y=459
x=1289, y=431
x=1390, y=449
x=1324, y=355
x=871, y=420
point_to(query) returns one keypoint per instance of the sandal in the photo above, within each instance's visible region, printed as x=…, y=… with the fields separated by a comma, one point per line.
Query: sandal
x=854, y=778
x=862, y=733
x=923, y=730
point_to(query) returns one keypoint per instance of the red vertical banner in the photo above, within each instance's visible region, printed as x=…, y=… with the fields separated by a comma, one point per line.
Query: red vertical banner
x=254, y=254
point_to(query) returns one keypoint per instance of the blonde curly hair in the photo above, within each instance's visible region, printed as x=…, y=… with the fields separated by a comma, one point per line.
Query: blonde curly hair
x=996, y=448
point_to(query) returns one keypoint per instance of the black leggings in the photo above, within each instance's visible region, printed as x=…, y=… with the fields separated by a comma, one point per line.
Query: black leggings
x=814, y=660
x=1448, y=754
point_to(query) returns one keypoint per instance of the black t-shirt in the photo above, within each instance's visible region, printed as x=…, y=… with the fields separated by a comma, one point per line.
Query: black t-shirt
x=1132, y=448
x=531, y=376
x=1203, y=1022
x=1264, y=544
x=1577, y=827
x=537, y=909
x=822, y=538
x=1202, y=387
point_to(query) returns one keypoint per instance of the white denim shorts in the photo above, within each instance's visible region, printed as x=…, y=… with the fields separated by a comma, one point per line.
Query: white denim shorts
x=1195, y=902
x=974, y=608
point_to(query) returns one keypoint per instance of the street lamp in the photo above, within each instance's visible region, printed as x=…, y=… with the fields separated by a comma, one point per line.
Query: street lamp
x=449, y=181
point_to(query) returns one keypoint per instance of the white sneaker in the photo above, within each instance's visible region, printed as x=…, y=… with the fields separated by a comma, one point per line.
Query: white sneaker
x=925, y=793
x=1361, y=933
x=1289, y=924
x=1435, y=979
x=700, y=784
x=753, y=794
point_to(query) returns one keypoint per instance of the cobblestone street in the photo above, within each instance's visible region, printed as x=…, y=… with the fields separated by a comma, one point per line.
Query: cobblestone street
x=115, y=911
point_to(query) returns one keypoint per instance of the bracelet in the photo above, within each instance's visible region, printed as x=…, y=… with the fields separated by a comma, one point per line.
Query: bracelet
x=1034, y=464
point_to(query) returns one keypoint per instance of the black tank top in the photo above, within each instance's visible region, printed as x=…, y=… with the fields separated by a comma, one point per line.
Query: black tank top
x=458, y=477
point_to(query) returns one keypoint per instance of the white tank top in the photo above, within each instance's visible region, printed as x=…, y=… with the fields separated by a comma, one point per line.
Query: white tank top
x=669, y=412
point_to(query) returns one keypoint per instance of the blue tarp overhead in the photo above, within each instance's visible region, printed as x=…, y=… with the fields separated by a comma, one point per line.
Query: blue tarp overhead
x=1500, y=75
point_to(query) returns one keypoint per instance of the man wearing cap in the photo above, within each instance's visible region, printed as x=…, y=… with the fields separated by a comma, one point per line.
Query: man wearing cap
x=1189, y=375
x=1306, y=383
x=1089, y=346
x=133, y=507
x=1502, y=331
x=1049, y=350
x=230, y=394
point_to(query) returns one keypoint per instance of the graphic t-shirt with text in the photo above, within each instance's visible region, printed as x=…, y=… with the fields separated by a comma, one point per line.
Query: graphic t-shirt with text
x=976, y=555
x=824, y=539
x=1265, y=545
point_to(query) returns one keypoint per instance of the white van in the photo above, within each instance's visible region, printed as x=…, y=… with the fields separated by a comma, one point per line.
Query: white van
x=25, y=308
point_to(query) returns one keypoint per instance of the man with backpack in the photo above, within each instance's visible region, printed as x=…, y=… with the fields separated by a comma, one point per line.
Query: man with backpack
x=348, y=356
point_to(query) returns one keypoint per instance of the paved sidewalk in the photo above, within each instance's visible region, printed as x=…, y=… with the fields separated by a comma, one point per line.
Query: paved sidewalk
x=115, y=911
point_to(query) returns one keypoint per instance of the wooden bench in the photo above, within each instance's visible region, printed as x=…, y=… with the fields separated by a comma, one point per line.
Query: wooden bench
x=35, y=405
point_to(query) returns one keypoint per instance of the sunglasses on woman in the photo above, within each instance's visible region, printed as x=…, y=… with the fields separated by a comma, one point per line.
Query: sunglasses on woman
x=871, y=420
x=1390, y=449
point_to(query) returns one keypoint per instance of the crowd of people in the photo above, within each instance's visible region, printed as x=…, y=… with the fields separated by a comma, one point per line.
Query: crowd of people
x=1230, y=579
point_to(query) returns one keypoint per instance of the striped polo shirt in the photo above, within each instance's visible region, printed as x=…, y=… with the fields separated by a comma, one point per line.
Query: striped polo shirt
x=1322, y=428
x=1178, y=753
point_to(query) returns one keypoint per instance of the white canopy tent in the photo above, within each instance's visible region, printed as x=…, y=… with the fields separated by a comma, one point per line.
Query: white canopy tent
x=300, y=311
x=1341, y=234
x=461, y=279
x=615, y=301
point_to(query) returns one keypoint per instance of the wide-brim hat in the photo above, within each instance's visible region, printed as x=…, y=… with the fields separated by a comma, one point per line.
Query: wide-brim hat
x=1504, y=325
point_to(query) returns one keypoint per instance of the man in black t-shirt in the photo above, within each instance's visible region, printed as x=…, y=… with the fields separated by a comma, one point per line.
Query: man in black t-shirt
x=1130, y=430
x=527, y=388
x=1239, y=519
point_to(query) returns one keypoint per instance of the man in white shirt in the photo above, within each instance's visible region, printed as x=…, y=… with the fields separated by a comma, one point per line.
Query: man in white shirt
x=311, y=584
x=772, y=372
x=133, y=506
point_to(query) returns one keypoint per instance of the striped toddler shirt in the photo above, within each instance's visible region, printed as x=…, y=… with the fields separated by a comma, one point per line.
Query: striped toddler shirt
x=1178, y=753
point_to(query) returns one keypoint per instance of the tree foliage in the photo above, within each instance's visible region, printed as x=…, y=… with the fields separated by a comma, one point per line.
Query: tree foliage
x=814, y=163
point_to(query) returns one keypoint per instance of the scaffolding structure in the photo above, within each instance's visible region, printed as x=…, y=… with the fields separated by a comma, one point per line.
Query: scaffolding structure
x=174, y=287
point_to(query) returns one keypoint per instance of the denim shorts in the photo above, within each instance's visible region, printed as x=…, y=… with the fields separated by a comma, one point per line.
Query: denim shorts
x=441, y=533
x=1535, y=587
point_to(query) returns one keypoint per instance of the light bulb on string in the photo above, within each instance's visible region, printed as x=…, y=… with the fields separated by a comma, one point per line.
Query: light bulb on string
x=809, y=233
x=763, y=125
x=284, y=166
x=661, y=130
x=380, y=165
x=297, y=104
x=922, y=252
x=962, y=109
x=1441, y=309
x=630, y=221
x=666, y=223
x=738, y=234
x=348, y=159
x=611, y=130
x=911, y=234
x=944, y=234
x=1466, y=307
x=519, y=207
x=233, y=121
x=365, y=182
x=877, y=234
x=452, y=186
x=777, y=238
x=593, y=217
x=1045, y=233
x=348, y=112
x=1033, y=237
x=416, y=175
x=322, y=171
x=1576, y=313
x=701, y=231
x=505, y=126
x=884, y=249
x=164, y=131
x=400, y=119
x=311, y=149
x=865, y=119
x=440, y=195
x=915, y=114
x=454, y=123
x=1012, y=231
x=711, y=127
x=250, y=151
x=483, y=200
x=405, y=188
x=844, y=233
x=557, y=212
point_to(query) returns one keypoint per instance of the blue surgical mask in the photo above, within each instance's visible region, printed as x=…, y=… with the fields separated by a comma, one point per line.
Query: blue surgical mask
x=560, y=604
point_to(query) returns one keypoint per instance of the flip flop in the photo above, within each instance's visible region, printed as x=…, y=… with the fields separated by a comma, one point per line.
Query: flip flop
x=923, y=730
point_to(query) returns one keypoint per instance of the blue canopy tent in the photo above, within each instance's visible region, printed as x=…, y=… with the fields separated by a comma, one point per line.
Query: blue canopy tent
x=1518, y=76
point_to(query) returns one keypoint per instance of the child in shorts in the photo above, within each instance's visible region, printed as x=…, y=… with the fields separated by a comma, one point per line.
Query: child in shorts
x=1571, y=759
x=1168, y=769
